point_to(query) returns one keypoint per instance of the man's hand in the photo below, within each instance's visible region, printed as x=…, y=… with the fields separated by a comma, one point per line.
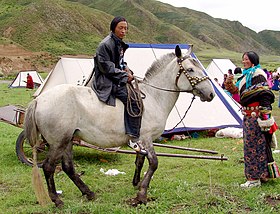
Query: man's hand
x=130, y=77
x=127, y=70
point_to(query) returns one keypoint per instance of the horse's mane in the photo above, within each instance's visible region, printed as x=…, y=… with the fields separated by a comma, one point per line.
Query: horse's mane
x=158, y=64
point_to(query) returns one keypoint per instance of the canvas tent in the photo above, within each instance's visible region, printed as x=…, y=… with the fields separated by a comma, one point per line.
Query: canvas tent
x=218, y=67
x=222, y=112
x=67, y=70
x=20, y=80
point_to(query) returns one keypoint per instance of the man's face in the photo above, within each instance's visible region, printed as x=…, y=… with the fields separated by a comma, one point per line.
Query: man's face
x=121, y=29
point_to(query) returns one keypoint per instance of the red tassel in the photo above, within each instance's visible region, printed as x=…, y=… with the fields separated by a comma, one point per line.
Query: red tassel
x=273, y=128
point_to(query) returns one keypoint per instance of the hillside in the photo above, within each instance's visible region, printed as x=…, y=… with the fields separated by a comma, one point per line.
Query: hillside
x=50, y=28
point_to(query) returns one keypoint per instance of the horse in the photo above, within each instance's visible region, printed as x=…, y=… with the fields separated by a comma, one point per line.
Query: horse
x=68, y=112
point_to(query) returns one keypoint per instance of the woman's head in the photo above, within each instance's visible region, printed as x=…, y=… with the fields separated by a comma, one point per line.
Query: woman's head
x=250, y=59
x=237, y=70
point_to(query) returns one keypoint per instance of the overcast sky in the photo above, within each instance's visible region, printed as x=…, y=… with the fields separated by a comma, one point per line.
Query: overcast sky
x=256, y=15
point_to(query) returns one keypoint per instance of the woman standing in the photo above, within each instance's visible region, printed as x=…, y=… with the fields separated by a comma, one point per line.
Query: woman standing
x=258, y=124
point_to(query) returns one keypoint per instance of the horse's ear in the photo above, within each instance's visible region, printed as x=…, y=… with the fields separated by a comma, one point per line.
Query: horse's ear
x=189, y=50
x=178, y=51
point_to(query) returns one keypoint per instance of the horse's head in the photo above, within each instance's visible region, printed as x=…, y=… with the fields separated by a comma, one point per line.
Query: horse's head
x=191, y=76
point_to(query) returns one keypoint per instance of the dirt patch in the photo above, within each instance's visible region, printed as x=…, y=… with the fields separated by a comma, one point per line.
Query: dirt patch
x=14, y=59
x=273, y=200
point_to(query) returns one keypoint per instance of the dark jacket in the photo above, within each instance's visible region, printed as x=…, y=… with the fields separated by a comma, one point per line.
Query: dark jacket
x=258, y=92
x=108, y=68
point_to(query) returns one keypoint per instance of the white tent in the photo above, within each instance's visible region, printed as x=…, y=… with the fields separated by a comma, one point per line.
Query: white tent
x=218, y=67
x=21, y=78
x=67, y=70
x=222, y=112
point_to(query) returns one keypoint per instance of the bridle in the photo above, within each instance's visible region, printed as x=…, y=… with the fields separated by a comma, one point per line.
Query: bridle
x=193, y=80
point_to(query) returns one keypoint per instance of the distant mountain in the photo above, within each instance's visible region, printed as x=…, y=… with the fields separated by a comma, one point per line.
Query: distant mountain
x=77, y=26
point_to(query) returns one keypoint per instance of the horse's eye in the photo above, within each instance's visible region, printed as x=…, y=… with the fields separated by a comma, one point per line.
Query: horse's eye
x=190, y=70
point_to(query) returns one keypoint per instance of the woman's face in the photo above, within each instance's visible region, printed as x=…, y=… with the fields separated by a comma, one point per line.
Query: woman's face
x=246, y=62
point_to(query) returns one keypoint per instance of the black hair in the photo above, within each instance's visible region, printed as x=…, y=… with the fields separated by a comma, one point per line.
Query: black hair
x=253, y=57
x=237, y=70
x=115, y=22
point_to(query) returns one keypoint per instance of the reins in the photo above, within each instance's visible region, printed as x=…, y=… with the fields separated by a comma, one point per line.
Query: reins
x=139, y=79
x=135, y=93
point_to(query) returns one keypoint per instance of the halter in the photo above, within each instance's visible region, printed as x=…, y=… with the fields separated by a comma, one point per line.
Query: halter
x=193, y=80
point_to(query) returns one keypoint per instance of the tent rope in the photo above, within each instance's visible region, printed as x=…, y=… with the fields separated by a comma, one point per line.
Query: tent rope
x=193, y=98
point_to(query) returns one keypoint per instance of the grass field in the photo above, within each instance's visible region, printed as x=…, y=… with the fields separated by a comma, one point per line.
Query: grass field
x=178, y=186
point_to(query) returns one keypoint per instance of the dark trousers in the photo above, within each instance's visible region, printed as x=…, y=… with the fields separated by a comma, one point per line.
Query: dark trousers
x=132, y=124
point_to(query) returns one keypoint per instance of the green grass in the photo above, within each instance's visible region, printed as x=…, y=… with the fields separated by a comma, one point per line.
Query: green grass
x=178, y=186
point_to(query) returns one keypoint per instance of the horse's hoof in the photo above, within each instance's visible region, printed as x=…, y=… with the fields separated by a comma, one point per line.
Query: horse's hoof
x=59, y=203
x=90, y=196
x=134, y=202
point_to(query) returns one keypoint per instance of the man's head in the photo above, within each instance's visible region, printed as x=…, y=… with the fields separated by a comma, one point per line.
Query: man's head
x=119, y=26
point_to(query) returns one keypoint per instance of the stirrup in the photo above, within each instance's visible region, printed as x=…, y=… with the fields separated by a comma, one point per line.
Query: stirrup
x=135, y=146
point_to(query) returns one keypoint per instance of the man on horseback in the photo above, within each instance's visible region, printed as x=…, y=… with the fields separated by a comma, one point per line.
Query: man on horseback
x=112, y=76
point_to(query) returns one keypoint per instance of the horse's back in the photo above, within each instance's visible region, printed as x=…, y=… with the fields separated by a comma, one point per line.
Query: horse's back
x=66, y=108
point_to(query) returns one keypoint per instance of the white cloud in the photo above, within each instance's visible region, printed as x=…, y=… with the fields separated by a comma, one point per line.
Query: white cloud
x=257, y=15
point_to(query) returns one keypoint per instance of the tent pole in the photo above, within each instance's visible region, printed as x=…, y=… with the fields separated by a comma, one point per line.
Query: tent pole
x=116, y=150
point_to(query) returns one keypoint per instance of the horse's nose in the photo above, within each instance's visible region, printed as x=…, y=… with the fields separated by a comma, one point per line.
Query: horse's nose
x=212, y=95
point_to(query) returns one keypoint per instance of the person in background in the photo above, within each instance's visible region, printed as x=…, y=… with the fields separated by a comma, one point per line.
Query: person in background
x=275, y=85
x=237, y=73
x=29, y=82
x=230, y=84
x=258, y=124
x=230, y=72
x=269, y=78
x=112, y=77
x=216, y=79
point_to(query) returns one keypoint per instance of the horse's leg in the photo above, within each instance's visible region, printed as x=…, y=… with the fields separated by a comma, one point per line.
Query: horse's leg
x=139, y=162
x=153, y=164
x=49, y=169
x=68, y=168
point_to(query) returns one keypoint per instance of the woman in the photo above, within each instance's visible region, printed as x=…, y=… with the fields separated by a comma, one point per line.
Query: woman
x=258, y=124
x=230, y=84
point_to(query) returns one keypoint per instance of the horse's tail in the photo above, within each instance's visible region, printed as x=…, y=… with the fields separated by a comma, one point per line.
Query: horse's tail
x=32, y=135
x=30, y=127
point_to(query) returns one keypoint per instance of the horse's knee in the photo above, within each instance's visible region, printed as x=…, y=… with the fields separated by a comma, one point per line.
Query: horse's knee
x=153, y=163
x=48, y=168
x=68, y=167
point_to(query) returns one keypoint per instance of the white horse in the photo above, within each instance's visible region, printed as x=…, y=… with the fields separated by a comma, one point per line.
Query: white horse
x=68, y=111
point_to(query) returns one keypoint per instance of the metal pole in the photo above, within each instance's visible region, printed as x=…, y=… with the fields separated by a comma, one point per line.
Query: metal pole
x=185, y=148
x=116, y=150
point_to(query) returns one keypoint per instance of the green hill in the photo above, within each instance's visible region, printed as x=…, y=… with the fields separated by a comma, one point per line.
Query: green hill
x=62, y=27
